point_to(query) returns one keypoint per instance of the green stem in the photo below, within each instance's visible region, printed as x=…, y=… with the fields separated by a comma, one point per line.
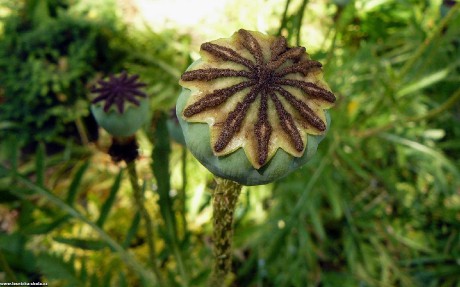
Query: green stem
x=180, y=263
x=300, y=14
x=224, y=202
x=345, y=17
x=283, y=19
x=139, y=201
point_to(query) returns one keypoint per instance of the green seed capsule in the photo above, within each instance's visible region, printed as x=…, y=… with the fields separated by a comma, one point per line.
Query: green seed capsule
x=253, y=109
x=120, y=106
x=122, y=124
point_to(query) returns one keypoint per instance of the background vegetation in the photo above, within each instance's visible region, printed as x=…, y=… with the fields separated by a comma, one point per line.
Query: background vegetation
x=379, y=205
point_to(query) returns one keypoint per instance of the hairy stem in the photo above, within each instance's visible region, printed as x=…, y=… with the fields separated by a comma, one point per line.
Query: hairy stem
x=224, y=202
x=139, y=201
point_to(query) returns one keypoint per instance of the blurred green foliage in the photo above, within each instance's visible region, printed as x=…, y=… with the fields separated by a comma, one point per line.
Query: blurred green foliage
x=48, y=57
x=379, y=205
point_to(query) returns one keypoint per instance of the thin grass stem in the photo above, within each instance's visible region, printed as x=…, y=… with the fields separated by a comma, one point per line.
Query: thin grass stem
x=139, y=201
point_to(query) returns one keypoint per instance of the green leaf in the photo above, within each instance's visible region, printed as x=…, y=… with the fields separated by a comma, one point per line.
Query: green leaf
x=316, y=221
x=73, y=189
x=12, y=243
x=424, y=82
x=40, y=165
x=334, y=199
x=132, y=230
x=106, y=207
x=106, y=280
x=435, y=155
x=94, y=280
x=160, y=166
x=45, y=228
x=3, y=172
x=22, y=261
x=8, y=125
x=278, y=237
x=83, y=270
x=55, y=268
x=351, y=161
x=122, y=281
x=85, y=244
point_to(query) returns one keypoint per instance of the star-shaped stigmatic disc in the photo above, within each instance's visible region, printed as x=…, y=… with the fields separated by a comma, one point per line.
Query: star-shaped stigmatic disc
x=119, y=91
x=257, y=93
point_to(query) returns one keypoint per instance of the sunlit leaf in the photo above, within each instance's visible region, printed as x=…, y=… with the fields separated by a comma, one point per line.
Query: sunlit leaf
x=424, y=82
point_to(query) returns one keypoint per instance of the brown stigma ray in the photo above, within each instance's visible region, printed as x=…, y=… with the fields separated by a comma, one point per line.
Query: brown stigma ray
x=212, y=74
x=234, y=120
x=215, y=98
x=226, y=54
x=263, y=130
x=291, y=54
x=302, y=67
x=263, y=68
x=278, y=47
x=309, y=88
x=251, y=44
x=305, y=111
x=287, y=123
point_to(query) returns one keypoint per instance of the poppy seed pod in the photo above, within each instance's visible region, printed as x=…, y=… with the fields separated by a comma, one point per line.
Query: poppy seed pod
x=252, y=109
x=120, y=107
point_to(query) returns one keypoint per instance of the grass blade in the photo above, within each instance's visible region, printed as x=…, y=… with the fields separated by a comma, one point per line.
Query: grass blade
x=84, y=244
x=55, y=268
x=423, y=83
x=73, y=189
x=46, y=227
x=434, y=154
x=107, y=206
x=160, y=168
x=132, y=230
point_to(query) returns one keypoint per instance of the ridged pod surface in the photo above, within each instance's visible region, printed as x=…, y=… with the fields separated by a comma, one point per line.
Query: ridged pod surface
x=253, y=109
x=120, y=106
